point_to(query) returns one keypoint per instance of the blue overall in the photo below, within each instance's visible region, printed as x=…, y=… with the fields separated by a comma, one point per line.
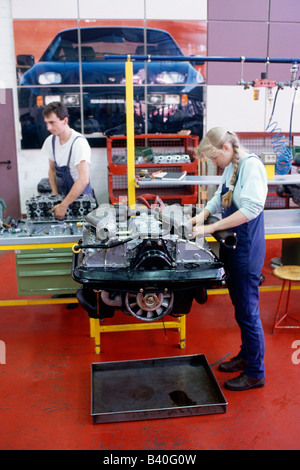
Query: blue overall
x=64, y=179
x=244, y=266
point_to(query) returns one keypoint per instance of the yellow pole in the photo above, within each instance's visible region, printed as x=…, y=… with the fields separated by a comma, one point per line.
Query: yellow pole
x=130, y=132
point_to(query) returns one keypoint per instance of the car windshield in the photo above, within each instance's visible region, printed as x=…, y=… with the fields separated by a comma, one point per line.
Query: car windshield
x=98, y=41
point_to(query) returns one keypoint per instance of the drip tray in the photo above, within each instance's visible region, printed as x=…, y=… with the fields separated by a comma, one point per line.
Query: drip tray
x=154, y=389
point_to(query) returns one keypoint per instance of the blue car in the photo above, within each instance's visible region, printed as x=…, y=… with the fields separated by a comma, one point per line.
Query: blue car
x=168, y=94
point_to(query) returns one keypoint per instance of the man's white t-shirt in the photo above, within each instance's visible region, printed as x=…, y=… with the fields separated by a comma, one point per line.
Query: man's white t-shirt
x=80, y=151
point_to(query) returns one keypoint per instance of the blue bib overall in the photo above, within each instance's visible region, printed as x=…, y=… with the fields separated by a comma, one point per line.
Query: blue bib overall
x=64, y=179
x=244, y=266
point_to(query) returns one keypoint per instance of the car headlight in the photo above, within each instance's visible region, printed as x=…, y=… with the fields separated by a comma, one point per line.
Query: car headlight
x=155, y=100
x=50, y=98
x=199, y=77
x=167, y=78
x=71, y=100
x=49, y=78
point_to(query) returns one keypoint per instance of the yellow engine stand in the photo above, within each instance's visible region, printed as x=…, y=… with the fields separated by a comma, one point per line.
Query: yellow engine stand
x=96, y=329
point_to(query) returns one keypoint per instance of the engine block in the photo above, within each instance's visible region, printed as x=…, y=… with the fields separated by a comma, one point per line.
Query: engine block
x=142, y=261
x=38, y=207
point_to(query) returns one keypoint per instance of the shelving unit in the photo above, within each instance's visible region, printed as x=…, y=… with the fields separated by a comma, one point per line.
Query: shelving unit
x=153, y=152
x=258, y=142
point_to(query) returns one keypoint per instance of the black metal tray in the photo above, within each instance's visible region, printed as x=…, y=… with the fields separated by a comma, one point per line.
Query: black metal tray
x=154, y=389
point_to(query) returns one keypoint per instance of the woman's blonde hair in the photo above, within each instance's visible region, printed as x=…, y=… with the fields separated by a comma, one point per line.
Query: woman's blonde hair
x=211, y=144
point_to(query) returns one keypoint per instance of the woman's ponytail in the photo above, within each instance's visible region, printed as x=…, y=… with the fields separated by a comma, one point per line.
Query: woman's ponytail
x=227, y=197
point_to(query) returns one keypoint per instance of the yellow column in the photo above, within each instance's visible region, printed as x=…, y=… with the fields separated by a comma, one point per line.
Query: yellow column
x=130, y=132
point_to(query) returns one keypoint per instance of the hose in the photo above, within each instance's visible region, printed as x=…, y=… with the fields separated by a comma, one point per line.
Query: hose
x=284, y=154
x=106, y=246
x=226, y=237
x=292, y=112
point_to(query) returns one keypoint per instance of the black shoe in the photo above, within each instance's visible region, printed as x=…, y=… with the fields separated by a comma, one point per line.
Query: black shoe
x=243, y=382
x=235, y=364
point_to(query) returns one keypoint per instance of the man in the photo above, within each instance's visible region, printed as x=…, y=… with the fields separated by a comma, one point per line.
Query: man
x=69, y=158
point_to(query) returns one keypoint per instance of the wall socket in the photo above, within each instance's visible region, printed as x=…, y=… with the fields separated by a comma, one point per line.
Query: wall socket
x=268, y=158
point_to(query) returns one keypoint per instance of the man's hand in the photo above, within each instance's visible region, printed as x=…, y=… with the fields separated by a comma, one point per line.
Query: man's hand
x=76, y=190
x=59, y=210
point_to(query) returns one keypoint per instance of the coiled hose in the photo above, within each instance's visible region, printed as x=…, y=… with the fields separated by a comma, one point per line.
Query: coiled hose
x=284, y=154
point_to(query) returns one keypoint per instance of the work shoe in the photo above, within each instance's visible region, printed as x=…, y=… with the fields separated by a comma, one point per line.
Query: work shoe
x=235, y=364
x=243, y=382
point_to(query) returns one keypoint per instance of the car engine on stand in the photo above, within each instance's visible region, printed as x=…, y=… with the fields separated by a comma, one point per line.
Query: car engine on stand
x=144, y=262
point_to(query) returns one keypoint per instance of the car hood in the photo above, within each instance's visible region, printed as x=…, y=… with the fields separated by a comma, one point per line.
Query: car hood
x=110, y=72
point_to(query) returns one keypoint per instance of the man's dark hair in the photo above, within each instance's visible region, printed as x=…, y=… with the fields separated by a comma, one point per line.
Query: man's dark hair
x=57, y=108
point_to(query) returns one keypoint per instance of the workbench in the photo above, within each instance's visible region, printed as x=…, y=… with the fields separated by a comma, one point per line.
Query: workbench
x=41, y=234
x=282, y=223
x=279, y=223
x=43, y=254
x=209, y=180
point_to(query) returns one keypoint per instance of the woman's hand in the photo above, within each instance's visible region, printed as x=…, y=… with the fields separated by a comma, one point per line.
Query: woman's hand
x=200, y=218
x=201, y=230
x=233, y=220
x=198, y=222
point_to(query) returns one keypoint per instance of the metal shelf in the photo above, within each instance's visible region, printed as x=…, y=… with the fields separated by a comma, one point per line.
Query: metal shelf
x=212, y=180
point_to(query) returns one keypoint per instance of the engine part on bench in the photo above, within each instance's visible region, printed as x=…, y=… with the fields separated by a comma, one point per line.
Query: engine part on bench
x=38, y=207
x=103, y=218
x=148, y=157
x=172, y=158
x=226, y=237
x=175, y=216
x=297, y=162
x=289, y=190
x=148, y=269
x=44, y=186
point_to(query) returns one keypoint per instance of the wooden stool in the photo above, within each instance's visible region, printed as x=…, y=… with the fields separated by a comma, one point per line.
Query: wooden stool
x=290, y=274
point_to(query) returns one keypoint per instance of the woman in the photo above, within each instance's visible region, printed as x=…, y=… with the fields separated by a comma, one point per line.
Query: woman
x=240, y=197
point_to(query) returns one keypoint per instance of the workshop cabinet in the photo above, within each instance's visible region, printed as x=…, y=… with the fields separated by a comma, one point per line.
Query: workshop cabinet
x=153, y=152
x=45, y=271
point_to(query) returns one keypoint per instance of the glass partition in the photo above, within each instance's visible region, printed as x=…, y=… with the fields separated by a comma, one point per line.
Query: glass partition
x=65, y=61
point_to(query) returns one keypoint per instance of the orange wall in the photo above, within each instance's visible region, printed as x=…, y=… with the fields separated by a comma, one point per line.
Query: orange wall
x=33, y=36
